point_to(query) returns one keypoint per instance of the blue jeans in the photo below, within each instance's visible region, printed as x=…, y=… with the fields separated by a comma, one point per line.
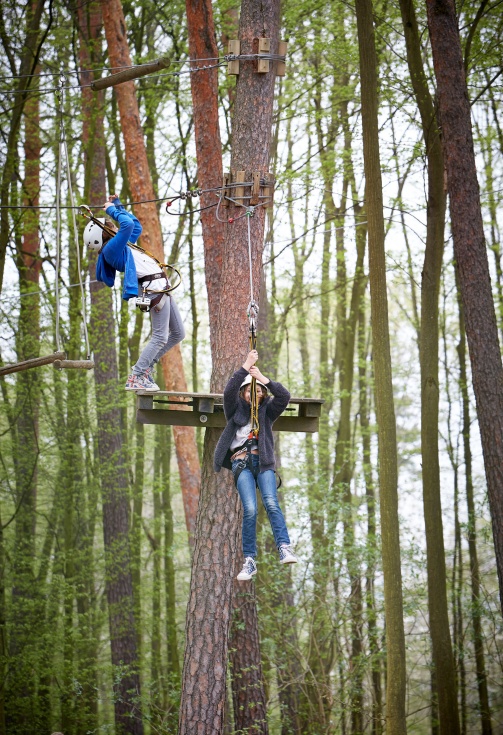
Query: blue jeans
x=167, y=331
x=266, y=482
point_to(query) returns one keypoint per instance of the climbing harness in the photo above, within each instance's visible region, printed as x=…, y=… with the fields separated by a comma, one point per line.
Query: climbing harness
x=143, y=302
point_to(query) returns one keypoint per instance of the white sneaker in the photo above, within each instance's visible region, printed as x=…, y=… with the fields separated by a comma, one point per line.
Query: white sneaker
x=248, y=570
x=286, y=555
x=139, y=382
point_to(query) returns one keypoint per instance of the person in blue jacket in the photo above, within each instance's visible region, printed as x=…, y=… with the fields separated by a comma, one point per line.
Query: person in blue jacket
x=140, y=271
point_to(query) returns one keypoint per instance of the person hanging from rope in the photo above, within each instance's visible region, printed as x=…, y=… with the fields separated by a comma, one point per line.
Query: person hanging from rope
x=250, y=456
x=119, y=252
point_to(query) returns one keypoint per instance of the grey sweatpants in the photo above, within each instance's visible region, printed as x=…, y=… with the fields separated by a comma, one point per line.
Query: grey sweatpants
x=167, y=331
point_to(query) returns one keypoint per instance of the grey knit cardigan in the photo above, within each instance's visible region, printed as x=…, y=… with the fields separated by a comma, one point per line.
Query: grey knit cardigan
x=237, y=413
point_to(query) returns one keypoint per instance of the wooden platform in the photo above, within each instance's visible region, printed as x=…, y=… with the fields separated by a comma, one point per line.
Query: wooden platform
x=206, y=409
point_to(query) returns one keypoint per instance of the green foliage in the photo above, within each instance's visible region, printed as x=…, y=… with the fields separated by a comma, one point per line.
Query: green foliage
x=54, y=615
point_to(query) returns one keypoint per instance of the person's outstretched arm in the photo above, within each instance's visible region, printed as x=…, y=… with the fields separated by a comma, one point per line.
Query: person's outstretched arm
x=126, y=220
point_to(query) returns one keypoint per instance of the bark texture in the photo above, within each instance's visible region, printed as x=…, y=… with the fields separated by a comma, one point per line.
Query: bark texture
x=250, y=711
x=443, y=658
x=209, y=608
x=202, y=45
x=112, y=461
x=385, y=412
x=140, y=182
x=470, y=253
x=27, y=67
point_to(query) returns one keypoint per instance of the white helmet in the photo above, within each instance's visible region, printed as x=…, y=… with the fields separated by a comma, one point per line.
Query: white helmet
x=93, y=235
x=248, y=380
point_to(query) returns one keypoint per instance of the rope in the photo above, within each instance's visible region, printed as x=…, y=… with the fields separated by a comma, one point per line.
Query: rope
x=252, y=313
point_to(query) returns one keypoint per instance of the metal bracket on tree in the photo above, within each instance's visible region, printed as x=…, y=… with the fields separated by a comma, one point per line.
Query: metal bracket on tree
x=248, y=188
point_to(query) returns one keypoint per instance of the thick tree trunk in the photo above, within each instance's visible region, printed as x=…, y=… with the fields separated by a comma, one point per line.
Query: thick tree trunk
x=476, y=606
x=470, y=253
x=25, y=609
x=25, y=80
x=203, y=702
x=250, y=712
x=443, y=658
x=204, y=86
x=112, y=462
x=385, y=414
x=142, y=189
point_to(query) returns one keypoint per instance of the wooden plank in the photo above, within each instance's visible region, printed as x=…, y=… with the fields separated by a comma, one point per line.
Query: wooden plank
x=217, y=420
x=281, y=65
x=255, y=191
x=309, y=409
x=145, y=401
x=239, y=192
x=217, y=396
x=234, y=48
x=204, y=405
x=264, y=47
x=180, y=418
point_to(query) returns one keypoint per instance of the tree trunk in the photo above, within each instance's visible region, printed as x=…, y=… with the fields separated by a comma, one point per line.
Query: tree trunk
x=142, y=189
x=250, y=712
x=385, y=414
x=172, y=684
x=443, y=658
x=209, y=607
x=112, y=461
x=477, y=603
x=373, y=634
x=27, y=67
x=25, y=608
x=204, y=87
x=470, y=253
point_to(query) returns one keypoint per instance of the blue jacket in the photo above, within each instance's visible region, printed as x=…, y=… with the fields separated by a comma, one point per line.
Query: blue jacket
x=116, y=256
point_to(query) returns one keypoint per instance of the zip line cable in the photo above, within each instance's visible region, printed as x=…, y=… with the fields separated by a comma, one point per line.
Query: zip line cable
x=222, y=61
x=225, y=58
x=104, y=68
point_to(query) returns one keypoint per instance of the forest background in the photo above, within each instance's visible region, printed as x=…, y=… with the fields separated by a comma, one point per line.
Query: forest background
x=98, y=512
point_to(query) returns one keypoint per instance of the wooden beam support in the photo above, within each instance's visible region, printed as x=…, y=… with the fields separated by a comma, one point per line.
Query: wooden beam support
x=206, y=409
x=281, y=65
x=217, y=420
x=234, y=48
x=263, y=46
